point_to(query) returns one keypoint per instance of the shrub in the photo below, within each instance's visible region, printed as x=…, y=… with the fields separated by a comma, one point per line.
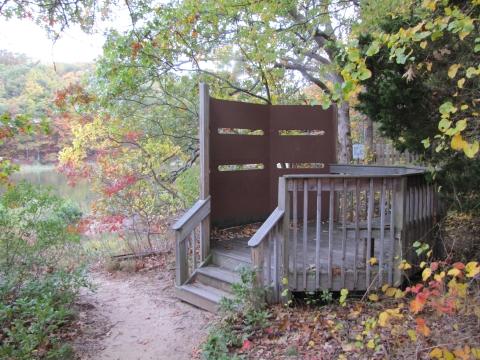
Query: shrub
x=39, y=278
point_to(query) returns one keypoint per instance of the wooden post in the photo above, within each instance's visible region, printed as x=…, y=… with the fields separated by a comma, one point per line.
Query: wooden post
x=258, y=262
x=284, y=235
x=181, y=259
x=204, y=167
x=400, y=225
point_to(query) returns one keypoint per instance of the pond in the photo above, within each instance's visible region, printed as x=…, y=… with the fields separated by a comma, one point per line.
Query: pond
x=47, y=176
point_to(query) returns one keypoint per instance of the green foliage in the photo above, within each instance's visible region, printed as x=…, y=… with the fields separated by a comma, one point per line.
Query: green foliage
x=37, y=282
x=423, y=88
x=247, y=307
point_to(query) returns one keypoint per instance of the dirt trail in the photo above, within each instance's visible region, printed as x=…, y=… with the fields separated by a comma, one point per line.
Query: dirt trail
x=137, y=317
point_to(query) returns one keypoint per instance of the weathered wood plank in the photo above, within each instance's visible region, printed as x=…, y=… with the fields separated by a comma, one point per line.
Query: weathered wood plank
x=305, y=237
x=357, y=235
x=295, y=225
x=258, y=261
x=344, y=231
x=330, y=237
x=318, y=234
x=382, y=233
x=370, y=212
x=266, y=227
x=190, y=220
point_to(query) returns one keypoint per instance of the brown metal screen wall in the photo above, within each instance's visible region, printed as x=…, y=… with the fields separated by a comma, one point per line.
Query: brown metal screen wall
x=246, y=196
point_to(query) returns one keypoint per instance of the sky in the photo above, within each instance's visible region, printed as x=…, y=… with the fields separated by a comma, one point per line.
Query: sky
x=25, y=37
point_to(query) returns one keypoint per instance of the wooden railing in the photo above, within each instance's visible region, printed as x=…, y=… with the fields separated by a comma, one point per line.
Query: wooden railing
x=385, y=154
x=393, y=208
x=192, y=241
x=270, y=248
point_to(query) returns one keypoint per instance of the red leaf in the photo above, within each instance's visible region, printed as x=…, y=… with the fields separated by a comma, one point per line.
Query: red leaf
x=434, y=266
x=247, y=345
x=459, y=266
x=420, y=321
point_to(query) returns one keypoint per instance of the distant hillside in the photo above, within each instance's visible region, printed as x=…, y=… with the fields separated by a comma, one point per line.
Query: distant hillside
x=28, y=87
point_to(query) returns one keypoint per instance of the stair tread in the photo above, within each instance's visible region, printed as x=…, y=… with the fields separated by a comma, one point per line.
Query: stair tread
x=229, y=254
x=220, y=273
x=206, y=291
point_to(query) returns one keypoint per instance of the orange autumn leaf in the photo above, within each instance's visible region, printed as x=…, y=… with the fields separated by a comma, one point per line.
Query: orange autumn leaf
x=459, y=266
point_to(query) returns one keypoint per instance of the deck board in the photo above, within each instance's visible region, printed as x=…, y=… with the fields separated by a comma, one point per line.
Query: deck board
x=238, y=247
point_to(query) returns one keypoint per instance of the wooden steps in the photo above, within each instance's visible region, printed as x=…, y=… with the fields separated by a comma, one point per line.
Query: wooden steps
x=211, y=282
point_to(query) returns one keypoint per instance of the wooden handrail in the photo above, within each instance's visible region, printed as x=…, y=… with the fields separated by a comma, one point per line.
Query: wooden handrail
x=192, y=218
x=266, y=227
x=184, y=227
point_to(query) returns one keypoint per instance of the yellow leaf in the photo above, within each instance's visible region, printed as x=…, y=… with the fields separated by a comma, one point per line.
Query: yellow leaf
x=426, y=274
x=311, y=343
x=399, y=294
x=475, y=113
x=383, y=319
x=448, y=355
x=464, y=107
x=461, y=82
x=425, y=3
x=371, y=344
x=459, y=353
x=391, y=292
x=429, y=66
x=412, y=334
x=285, y=281
x=476, y=352
x=471, y=149
x=384, y=287
x=457, y=142
x=373, y=297
x=436, y=353
x=440, y=276
x=462, y=34
x=373, y=261
x=432, y=5
x=422, y=264
x=407, y=266
x=453, y=272
x=472, y=269
x=452, y=71
x=423, y=44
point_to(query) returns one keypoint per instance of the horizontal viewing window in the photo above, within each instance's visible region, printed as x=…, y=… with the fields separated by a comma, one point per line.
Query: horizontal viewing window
x=300, y=165
x=235, y=131
x=300, y=132
x=238, y=167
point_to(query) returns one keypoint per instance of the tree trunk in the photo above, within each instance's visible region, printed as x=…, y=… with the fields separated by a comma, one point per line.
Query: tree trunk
x=368, y=135
x=345, y=155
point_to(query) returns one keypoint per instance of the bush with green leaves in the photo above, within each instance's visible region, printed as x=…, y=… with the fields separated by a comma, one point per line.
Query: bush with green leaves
x=39, y=274
x=246, y=307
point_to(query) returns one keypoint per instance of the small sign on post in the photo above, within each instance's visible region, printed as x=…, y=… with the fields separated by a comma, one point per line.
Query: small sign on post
x=358, y=151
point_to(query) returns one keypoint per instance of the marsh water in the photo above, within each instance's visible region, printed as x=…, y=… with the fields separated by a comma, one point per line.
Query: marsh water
x=47, y=176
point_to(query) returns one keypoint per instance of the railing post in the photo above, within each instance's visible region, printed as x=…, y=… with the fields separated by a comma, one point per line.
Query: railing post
x=204, y=167
x=258, y=262
x=284, y=238
x=181, y=259
x=401, y=225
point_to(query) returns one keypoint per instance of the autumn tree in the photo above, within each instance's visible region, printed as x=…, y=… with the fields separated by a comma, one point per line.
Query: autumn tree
x=421, y=86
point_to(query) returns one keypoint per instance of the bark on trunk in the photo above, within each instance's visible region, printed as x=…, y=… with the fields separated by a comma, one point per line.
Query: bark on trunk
x=344, y=135
x=368, y=135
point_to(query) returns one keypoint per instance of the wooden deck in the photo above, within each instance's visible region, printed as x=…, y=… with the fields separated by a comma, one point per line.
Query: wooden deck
x=356, y=254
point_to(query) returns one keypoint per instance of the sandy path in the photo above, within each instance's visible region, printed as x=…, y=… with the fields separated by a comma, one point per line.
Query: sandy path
x=138, y=317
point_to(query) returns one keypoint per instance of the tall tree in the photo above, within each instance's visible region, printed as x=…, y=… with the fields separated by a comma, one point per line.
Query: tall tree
x=266, y=51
